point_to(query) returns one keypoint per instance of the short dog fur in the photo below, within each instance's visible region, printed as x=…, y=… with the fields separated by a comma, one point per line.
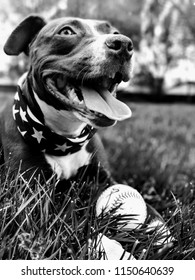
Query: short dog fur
x=69, y=92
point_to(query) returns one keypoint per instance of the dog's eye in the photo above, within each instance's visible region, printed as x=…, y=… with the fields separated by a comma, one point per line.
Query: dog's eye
x=67, y=31
x=116, y=32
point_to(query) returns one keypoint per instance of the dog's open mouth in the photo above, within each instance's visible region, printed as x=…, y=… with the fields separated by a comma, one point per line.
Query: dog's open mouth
x=97, y=96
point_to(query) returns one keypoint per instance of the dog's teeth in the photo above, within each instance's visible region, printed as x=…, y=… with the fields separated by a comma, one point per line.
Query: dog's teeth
x=114, y=90
x=115, y=87
x=75, y=99
x=111, y=75
x=72, y=94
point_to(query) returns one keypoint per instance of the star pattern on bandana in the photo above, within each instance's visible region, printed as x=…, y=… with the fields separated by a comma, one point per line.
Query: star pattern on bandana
x=15, y=111
x=63, y=147
x=30, y=124
x=38, y=135
x=17, y=96
x=21, y=132
x=23, y=115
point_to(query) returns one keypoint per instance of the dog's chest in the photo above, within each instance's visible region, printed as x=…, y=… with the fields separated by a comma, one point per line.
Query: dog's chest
x=67, y=166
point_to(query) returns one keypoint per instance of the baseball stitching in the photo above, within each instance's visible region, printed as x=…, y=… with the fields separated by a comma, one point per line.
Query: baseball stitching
x=121, y=197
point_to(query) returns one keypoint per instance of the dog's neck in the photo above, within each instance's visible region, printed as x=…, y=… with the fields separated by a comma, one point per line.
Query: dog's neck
x=62, y=122
x=41, y=125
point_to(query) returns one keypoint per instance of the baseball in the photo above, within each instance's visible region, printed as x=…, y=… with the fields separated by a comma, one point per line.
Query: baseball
x=125, y=201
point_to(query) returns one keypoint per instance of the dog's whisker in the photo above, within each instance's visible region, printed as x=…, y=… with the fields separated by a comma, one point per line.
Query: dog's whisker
x=84, y=78
x=80, y=72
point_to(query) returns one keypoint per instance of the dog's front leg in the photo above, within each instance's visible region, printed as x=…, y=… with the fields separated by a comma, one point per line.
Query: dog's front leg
x=99, y=167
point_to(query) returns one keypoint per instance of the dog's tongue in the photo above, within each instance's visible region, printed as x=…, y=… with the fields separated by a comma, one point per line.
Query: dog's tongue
x=103, y=102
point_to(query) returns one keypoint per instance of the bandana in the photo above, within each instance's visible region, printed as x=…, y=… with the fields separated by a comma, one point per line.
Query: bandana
x=30, y=124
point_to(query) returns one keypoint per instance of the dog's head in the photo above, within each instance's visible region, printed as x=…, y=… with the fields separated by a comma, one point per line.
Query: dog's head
x=77, y=64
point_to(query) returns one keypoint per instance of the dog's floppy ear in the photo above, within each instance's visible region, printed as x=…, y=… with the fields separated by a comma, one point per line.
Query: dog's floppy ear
x=24, y=33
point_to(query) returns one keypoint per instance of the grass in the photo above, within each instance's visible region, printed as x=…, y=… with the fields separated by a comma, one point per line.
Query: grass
x=154, y=152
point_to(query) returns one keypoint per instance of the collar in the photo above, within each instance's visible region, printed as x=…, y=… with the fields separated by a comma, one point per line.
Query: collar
x=30, y=124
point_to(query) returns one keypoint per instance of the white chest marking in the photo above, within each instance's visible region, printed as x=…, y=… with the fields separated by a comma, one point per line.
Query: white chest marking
x=67, y=166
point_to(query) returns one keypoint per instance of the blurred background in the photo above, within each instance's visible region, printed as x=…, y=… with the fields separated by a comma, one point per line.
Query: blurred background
x=163, y=32
x=154, y=150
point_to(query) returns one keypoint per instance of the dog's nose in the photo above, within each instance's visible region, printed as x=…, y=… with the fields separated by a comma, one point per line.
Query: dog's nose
x=119, y=44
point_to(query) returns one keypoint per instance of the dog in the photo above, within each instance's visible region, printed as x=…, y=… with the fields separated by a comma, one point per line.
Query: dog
x=49, y=127
x=69, y=91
